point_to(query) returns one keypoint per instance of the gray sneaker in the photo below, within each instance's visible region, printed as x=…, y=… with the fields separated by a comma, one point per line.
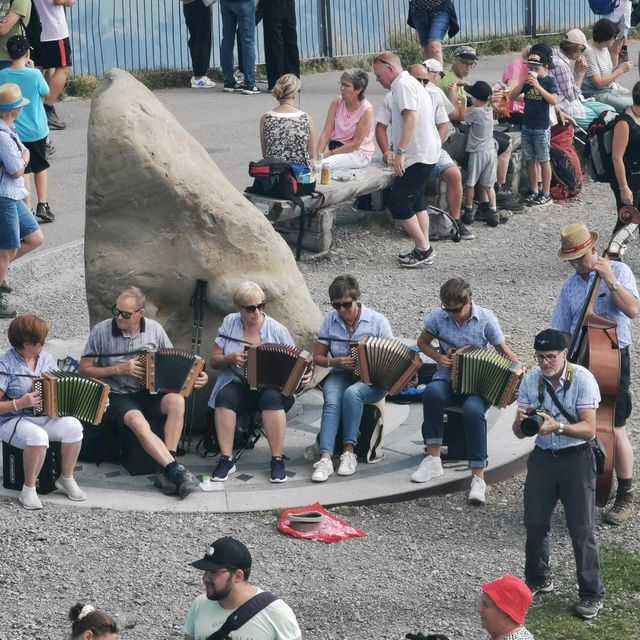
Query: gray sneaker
x=588, y=609
x=184, y=480
x=417, y=258
x=162, y=482
x=44, y=213
x=54, y=121
x=6, y=312
x=464, y=232
x=544, y=587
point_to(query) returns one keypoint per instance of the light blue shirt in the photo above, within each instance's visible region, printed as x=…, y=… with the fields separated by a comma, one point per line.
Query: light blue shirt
x=31, y=125
x=271, y=331
x=582, y=392
x=333, y=332
x=574, y=294
x=11, y=150
x=15, y=387
x=480, y=330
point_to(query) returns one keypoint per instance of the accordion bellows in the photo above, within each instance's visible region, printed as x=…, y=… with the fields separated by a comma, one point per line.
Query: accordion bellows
x=385, y=362
x=276, y=366
x=486, y=373
x=69, y=394
x=170, y=370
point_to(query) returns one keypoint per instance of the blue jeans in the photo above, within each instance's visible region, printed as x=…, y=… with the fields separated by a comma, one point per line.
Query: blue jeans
x=536, y=144
x=439, y=395
x=243, y=16
x=344, y=398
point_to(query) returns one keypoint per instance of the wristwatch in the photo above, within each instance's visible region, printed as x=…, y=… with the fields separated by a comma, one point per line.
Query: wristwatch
x=560, y=430
x=616, y=285
x=401, y=151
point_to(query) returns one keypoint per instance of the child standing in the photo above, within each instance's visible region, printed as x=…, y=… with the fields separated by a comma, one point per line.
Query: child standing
x=32, y=124
x=540, y=94
x=483, y=157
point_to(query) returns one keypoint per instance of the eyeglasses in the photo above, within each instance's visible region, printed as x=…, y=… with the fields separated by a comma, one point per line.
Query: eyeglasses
x=125, y=314
x=345, y=85
x=547, y=357
x=252, y=308
x=467, y=64
x=342, y=305
x=453, y=309
x=218, y=572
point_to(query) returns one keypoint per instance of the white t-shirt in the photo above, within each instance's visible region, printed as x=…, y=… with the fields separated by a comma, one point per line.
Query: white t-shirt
x=275, y=622
x=409, y=94
x=53, y=19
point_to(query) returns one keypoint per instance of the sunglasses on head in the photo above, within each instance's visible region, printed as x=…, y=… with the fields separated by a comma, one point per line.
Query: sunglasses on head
x=342, y=305
x=125, y=314
x=252, y=308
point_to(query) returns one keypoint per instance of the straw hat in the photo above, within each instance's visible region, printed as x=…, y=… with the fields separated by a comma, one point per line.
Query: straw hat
x=11, y=97
x=575, y=241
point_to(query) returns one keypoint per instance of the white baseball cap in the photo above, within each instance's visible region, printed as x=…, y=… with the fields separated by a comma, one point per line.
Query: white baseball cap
x=433, y=65
x=576, y=36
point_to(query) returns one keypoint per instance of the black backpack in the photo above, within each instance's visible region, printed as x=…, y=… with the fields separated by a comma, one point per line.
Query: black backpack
x=599, y=146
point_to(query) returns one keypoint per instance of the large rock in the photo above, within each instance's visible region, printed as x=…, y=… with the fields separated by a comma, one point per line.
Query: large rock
x=161, y=215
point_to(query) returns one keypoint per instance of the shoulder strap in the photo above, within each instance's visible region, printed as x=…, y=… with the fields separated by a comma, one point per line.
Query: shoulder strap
x=243, y=614
x=543, y=384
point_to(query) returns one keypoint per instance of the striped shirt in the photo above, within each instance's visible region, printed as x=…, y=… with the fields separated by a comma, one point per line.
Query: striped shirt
x=582, y=392
x=106, y=338
x=598, y=64
x=574, y=293
x=480, y=330
x=231, y=340
x=569, y=94
x=333, y=332
x=15, y=387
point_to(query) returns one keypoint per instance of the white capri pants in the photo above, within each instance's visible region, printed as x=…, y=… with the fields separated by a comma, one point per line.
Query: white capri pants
x=353, y=160
x=35, y=431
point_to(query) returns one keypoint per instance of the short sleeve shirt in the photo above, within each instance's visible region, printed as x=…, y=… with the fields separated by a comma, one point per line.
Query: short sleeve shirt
x=480, y=330
x=481, y=132
x=21, y=8
x=449, y=78
x=536, y=108
x=31, y=124
x=598, y=64
x=53, y=19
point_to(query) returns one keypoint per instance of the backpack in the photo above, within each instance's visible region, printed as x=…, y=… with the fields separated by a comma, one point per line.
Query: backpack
x=441, y=225
x=245, y=436
x=599, y=145
x=566, y=172
x=603, y=7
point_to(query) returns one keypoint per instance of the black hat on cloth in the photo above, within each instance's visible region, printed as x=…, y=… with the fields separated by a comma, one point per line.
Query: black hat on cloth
x=550, y=340
x=224, y=553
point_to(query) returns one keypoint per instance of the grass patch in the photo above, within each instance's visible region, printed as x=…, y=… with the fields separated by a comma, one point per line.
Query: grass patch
x=553, y=619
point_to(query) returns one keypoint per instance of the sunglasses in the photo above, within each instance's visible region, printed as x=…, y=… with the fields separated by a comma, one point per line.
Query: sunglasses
x=252, y=308
x=381, y=61
x=125, y=314
x=453, y=309
x=342, y=305
x=424, y=81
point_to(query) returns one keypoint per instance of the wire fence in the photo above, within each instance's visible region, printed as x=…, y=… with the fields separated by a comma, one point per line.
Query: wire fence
x=151, y=35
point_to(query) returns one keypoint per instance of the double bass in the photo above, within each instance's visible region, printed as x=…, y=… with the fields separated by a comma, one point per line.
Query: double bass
x=594, y=345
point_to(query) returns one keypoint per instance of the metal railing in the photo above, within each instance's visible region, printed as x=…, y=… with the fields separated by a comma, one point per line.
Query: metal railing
x=151, y=34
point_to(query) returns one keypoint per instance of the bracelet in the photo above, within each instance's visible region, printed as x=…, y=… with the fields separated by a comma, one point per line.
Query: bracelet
x=15, y=406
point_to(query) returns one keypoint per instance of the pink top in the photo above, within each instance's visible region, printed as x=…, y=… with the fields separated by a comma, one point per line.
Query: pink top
x=516, y=70
x=346, y=123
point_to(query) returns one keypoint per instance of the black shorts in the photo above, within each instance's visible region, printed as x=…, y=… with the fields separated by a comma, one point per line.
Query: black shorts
x=147, y=403
x=503, y=139
x=54, y=54
x=407, y=193
x=238, y=398
x=623, y=401
x=38, y=156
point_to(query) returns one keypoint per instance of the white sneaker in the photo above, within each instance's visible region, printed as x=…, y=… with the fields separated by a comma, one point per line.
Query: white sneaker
x=478, y=489
x=202, y=83
x=430, y=467
x=71, y=488
x=619, y=88
x=322, y=470
x=29, y=499
x=348, y=464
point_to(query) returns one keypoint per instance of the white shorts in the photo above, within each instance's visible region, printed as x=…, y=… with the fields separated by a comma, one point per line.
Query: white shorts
x=621, y=15
x=34, y=431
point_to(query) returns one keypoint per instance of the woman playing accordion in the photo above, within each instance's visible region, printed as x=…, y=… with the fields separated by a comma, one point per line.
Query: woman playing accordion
x=26, y=360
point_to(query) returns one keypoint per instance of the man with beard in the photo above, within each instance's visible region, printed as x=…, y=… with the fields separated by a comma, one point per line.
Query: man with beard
x=227, y=565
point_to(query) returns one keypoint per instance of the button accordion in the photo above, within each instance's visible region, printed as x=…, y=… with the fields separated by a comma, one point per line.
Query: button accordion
x=384, y=362
x=170, y=370
x=486, y=373
x=276, y=366
x=69, y=394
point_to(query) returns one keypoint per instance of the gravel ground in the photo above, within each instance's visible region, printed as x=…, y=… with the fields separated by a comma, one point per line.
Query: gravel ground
x=422, y=562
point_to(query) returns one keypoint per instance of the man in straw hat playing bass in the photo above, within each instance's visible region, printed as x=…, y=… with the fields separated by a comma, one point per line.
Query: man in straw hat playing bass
x=617, y=300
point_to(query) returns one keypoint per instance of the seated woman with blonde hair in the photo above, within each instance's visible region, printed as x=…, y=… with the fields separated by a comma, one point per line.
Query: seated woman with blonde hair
x=286, y=132
x=348, y=131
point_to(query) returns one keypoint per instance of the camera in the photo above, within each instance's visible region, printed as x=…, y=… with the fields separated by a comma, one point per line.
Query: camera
x=532, y=423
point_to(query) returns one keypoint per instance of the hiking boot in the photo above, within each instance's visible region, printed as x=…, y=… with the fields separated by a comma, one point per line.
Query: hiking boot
x=43, y=211
x=542, y=200
x=184, y=480
x=54, y=121
x=5, y=288
x=348, y=464
x=545, y=587
x=482, y=212
x=478, y=490
x=493, y=219
x=162, y=482
x=417, y=258
x=224, y=469
x=506, y=200
x=429, y=468
x=202, y=83
x=464, y=232
x=278, y=472
x=322, y=470
x=71, y=488
x=588, y=609
x=467, y=216
x=621, y=510
x=6, y=311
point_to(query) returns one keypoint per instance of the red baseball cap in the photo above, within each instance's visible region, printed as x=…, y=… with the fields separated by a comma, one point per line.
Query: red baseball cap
x=511, y=595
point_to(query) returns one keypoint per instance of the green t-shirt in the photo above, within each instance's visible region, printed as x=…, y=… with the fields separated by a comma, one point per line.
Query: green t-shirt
x=23, y=9
x=447, y=79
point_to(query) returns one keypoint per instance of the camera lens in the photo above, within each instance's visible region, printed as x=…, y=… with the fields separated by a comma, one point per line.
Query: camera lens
x=531, y=425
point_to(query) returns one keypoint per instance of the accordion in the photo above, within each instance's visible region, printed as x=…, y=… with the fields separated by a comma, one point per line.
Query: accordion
x=384, y=362
x=485, y=373
x=69, y=394
x=276, y=366
x=170, y=370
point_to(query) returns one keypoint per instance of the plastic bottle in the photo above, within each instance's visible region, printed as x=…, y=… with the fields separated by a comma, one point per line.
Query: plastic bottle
x=325, y=176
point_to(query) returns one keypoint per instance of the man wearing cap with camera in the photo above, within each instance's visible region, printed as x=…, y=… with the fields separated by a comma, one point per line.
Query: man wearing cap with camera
x=227, y=566
x=617, y=300
x=503, y=609
x=561, y=466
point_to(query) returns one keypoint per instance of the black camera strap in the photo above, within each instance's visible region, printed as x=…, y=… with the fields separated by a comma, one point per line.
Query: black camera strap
x=243, y=614
x=544, y=384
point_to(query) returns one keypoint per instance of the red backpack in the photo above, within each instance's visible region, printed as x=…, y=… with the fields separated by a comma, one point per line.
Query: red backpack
x=566, y=172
